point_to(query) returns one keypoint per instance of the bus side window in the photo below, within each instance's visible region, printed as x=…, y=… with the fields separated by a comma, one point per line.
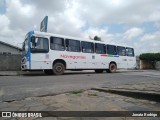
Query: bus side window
x=57, y=43
x=130, y=52
x=100, y=48
x=73, y=45
x=87, y=47
x=121, y=51
x=111, y=49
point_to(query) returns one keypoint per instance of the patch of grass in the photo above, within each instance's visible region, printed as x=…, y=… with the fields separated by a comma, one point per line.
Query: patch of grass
x=92, y=94
x=76, y=91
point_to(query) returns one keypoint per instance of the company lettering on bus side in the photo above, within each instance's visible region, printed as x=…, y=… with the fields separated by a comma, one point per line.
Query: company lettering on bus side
x=73, y=57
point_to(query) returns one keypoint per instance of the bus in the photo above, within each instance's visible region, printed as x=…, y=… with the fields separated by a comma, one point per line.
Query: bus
x=55, y=53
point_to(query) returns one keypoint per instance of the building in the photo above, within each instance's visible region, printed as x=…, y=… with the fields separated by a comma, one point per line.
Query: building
x=6, y=48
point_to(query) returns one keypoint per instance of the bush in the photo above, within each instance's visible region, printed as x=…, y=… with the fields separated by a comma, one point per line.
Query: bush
x=150, y=56
x=157, y=56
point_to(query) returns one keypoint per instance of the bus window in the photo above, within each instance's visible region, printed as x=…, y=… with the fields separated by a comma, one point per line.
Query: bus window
x=121, y=51
x=73, y=45
x=87, y=47
x=39, y=45
x=100, y=48
x=111, y=49
x=56, y=43
x=130, y=51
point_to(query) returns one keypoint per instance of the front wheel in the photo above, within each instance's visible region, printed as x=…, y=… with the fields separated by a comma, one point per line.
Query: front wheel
x=58, y=68
x=112, y=68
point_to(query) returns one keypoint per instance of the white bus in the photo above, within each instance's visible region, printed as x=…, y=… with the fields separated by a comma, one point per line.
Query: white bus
x=54, y=54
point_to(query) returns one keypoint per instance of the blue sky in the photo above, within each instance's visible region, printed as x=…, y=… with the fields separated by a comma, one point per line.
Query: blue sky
x=130, y=22
x=2, y=7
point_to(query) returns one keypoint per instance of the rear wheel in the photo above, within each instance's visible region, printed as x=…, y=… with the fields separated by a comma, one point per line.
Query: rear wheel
x=99, y=71
x=112, y=67
x=58, y=68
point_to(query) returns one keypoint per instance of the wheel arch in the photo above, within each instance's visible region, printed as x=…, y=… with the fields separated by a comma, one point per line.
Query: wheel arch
x=113, y=62
x=59, y=60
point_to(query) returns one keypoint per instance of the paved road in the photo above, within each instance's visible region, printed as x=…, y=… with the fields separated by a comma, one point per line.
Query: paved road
x=20, y=87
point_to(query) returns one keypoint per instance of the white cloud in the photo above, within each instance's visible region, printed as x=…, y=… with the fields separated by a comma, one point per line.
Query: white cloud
x=123, y=11
x=132, y=33
x=4, y=21
x=20, y=16
x=155, y=16
x=157, y=25
x=103, y=33
x=68, y=17
x=2, y=2
x=95, y=31
x=148, y=43
x=49, y=6
x=151, y=37
x=15, y=7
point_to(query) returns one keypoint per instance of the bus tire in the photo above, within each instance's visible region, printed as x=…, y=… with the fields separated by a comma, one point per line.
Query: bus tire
x=99, y=71
x=58, y=68
x=112, y=67
x=48, y=72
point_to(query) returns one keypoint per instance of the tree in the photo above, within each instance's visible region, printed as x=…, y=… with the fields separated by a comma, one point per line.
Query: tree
x=96, y=38
x=150, y=57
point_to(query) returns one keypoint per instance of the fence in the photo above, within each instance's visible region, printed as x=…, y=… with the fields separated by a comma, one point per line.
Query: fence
x=9, y=62
x=149, y=65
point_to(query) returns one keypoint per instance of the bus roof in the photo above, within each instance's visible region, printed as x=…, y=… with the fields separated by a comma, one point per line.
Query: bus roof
x=38, y=33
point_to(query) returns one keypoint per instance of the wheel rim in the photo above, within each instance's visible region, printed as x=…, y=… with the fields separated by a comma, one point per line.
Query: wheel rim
x=113, y=68
x=59, y=68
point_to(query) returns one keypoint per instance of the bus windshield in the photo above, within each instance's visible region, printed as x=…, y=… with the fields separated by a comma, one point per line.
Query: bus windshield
x=39, y=45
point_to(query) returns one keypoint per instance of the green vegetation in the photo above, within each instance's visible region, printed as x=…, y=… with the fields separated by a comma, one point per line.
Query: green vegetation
x=96, y=38
x=150, y=56
x=76, y=91
x=92, y=94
